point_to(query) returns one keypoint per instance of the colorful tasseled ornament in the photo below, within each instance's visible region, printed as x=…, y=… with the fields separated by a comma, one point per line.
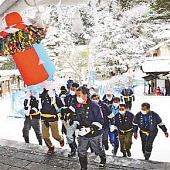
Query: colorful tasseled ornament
x=21, y=40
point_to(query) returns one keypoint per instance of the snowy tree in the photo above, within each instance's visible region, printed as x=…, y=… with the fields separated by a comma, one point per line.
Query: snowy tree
x=121, y=40
x=118, y=37
x=64, y=53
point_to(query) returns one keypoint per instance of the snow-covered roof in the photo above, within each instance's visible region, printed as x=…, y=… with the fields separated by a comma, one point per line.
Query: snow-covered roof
x=9, y=72
x=158, y=45
x=156, y=64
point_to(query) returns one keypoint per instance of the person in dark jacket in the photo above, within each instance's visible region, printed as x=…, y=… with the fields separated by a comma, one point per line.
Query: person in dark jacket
x=113, y=132
x=148, y=121
x=69, y=118
x=49, y=119
x=32, y=118
x=90, y=122
x=124, y=123
x=106, y=112
x=63, y=93
x=127, y=95
x=69, y=83
x=108, y=97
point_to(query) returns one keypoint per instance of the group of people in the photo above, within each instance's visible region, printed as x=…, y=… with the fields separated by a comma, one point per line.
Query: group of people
x=97, y=122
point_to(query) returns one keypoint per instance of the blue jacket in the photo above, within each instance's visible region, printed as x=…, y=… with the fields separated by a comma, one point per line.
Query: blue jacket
x=69, y=83
x=148, y=122
x=90, y=115
x=106, y=112
x=124, y=122
x=114, y=112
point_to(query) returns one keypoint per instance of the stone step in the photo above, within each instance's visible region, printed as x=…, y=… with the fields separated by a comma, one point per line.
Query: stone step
x=18, y=155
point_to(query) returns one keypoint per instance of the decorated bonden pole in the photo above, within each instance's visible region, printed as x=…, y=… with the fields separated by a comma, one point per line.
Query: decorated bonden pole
x=22, y=41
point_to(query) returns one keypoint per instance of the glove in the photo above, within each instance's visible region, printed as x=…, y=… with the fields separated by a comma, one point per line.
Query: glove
x=84, y=131
x=26, y=112
x=46, y=124
x=167, y=134
x=135, y=135
x=58, y=111
x=70, y=122
x=94, y=127
x=112, y=128
x=133, y=98
x=62, y=114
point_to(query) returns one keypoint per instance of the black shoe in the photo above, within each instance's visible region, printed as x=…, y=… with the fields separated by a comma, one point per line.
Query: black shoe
x=26, y=139
x=73, y=147
x=83, y=163
x=128, y=153
x=72, y=154
x=40, y=142
x=106, y=147
x=124, y=154
x=147, y=155
x=102, y=162
x=115, y=150
x=105, y=144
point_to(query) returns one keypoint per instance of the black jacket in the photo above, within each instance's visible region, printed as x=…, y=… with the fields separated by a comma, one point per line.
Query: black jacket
x=106, y=110
x=34, y=107
x=48, y=108
x=124, y=122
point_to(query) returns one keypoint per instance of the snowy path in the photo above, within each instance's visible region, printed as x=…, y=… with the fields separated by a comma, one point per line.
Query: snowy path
x=11, y=128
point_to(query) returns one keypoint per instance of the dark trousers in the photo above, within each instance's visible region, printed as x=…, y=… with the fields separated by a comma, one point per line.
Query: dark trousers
x=95, y=143
x=147, y=141
x=105, y=134
x=128, y=104
x=35, y=124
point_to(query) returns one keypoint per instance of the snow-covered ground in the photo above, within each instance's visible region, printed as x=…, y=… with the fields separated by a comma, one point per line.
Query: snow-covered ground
x=11, y=128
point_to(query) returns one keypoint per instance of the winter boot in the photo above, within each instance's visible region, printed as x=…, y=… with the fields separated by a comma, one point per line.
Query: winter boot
x=40, y=141
x=105, y=144
x=114, y=151
x=51, y=150
x=83, y=163
x=102, y=162
x=124, y=154
x=128, y=153
x=91, y=149
x=147, y=155
x=26, y=139
x=73, y=147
